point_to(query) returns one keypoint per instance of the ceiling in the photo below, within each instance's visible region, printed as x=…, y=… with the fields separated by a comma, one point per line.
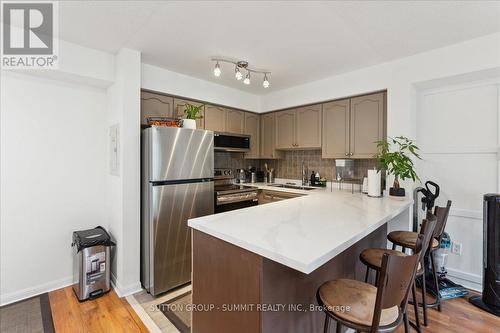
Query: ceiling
x=297, y=41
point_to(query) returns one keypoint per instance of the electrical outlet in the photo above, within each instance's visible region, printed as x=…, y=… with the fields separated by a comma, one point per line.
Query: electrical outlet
x=456, y=248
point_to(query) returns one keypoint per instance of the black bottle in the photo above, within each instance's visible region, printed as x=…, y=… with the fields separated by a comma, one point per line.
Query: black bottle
x=313, y=179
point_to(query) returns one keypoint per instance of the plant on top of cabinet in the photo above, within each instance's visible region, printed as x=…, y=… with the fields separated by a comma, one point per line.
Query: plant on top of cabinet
x=395, y=156
x=192, y=113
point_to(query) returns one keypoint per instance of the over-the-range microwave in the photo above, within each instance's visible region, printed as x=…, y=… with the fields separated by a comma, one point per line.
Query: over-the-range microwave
x=231, y=142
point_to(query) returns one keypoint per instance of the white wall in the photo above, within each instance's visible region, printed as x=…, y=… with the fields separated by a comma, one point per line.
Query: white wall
x=165, y=81
x=457, y=131
x=53, y=162
x=123, y=190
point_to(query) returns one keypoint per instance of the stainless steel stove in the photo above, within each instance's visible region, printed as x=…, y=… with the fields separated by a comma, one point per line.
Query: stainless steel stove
x=230, y=196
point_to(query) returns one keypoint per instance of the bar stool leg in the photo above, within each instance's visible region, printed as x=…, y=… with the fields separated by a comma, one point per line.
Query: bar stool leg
x=327, y=324
x=393, y=246
x=339, y=328
x=367, y=274
x=424, y=303
x=436, y=282
x=407, y=324
x=415, y=306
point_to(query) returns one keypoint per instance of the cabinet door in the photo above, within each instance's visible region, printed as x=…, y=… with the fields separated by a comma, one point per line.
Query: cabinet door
x=155, y=105
x=285, y=129
x=335, y=129
x=235, y=121
x=252, y=128
x=367, y=125
x=215, y=118
x=180, y=106
x=267, y=137
x=308, y=127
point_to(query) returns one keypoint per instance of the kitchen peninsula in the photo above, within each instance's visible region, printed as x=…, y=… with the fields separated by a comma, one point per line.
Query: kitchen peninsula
x=275, y=256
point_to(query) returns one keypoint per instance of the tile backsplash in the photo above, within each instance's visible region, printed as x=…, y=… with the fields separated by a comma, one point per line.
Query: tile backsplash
x=290, y=167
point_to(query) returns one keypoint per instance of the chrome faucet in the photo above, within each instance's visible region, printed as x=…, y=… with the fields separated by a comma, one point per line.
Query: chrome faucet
x=304, y=174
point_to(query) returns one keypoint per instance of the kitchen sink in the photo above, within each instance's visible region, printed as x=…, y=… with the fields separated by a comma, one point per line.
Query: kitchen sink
x=295, y=187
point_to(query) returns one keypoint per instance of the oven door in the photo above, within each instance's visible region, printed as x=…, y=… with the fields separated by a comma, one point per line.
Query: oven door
x=236, y=205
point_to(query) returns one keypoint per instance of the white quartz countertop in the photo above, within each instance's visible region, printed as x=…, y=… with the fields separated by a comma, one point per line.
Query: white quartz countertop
x=304, y=232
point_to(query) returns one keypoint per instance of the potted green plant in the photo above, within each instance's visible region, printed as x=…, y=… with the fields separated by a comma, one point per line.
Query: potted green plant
x=192, y=113
x=395, y=156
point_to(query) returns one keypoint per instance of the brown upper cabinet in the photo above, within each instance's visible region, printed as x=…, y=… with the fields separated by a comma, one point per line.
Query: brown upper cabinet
x=285, y=129
x=252, y=128
x=336, y=129
x=268, y=137
x=367, y=125
x=352, y=126
x=180, y=106
x=220, y=119
x=215, y=118
x=299, y=128
x=155, y=105
x=235, y=121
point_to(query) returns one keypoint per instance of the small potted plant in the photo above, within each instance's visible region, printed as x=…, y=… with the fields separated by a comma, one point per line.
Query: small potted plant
x=395, y=156
x=191, y=112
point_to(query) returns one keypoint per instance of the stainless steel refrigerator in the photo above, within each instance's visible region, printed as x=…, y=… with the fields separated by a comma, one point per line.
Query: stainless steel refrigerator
x=177, y=184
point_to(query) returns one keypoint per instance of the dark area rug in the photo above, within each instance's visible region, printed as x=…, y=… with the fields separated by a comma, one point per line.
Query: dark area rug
x=31, y=315
x=177, y=311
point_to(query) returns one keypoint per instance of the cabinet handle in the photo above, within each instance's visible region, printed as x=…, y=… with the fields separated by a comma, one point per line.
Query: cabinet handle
x=346, y=154
x=350, y=154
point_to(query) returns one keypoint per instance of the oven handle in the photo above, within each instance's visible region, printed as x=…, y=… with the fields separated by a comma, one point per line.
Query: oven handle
x=232, y=198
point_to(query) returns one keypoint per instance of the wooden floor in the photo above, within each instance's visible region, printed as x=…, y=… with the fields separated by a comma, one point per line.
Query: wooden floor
x=110, y=314
x=106, y=314
x=457, y=316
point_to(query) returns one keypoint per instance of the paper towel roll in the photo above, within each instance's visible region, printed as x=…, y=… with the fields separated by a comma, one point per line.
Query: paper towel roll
x=374, y=183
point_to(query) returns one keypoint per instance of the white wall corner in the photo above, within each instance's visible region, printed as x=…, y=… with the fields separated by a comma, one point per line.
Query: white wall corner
x=124, y=190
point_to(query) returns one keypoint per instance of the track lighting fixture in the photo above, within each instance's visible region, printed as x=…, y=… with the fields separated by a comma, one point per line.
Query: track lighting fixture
x=217, y=70
x=239, y=66
x=265, y=84
x=237, y=73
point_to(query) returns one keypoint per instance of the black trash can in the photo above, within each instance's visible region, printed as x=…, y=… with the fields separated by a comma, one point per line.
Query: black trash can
x=91, y=263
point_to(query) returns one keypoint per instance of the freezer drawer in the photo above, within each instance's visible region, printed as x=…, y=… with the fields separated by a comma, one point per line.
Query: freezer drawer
x=167, y=237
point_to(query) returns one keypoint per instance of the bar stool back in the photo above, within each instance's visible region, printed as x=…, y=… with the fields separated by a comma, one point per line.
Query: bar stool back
x=372, y=309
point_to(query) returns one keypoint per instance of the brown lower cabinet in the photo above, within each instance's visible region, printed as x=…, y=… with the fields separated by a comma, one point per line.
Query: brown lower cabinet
x=266, y=196
x=227, y=278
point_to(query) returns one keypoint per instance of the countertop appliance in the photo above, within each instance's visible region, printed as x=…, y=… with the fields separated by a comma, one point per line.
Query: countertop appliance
x=230, y=196
x=177, y=184
x=231, y=142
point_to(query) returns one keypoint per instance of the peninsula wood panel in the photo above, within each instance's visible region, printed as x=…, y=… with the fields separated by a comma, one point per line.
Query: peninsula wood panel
x=308, y=127
x=224, y=274
x=366, y=125
x=215, y=118
x=155, y=105
x=285, y=129
x=252, y=128
x=335, y=129
x=235, y=121
x=180, y=106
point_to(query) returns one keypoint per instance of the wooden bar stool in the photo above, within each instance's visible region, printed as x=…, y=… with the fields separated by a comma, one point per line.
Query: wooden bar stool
x=372, y=258
x=366, y=308
x=406, y=239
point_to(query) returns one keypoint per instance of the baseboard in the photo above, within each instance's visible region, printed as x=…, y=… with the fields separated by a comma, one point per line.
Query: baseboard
x=124, y=291
x=468, y=280
x=15, y=296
